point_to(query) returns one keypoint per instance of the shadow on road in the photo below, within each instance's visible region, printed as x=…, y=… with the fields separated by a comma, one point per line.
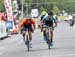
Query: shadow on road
x=4, y=37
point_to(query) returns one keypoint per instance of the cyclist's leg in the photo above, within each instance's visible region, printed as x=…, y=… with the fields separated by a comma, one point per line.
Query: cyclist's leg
x=51, y=32
x=30, y=38
x=41, y=27
x=41, y=23
x=30, y=29
x=44, y=34
x=23, y=33
x=30, y=35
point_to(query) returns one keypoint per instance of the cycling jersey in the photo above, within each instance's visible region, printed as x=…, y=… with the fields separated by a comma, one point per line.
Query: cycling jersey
x=26, y=21
x=27, y=24
x=49, y=21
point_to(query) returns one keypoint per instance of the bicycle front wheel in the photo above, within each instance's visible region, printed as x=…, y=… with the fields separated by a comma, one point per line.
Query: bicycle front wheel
x=27, y=44
x=48, y=40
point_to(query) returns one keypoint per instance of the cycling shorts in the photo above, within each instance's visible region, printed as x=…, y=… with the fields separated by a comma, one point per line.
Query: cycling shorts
x=48, y=23
x=27, y=28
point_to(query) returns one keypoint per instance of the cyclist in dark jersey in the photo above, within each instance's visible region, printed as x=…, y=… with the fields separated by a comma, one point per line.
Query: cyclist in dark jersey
x=49, y=21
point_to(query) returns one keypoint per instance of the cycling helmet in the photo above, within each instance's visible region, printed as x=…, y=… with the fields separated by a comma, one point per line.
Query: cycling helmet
x=28, y=17
x=50, y=13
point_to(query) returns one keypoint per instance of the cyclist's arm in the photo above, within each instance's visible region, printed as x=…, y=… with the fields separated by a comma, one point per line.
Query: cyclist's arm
x=23, y=22
x=45, y=18
x=33, y=23
x=55, y=21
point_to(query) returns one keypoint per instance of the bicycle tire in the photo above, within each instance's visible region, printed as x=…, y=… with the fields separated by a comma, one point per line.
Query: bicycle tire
x=28, y=47
x=27, y=44
x=24, y=39
x=47, y=34
x=48, y=41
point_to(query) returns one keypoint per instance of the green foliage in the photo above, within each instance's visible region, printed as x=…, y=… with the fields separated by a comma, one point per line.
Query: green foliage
x=2, y=7
x=67, y=5
x=43, y=9
x=55, y=10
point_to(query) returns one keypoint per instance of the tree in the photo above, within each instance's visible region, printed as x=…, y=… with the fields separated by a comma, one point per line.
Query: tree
x=55, y=9
x=2, y=7
x=67, y=5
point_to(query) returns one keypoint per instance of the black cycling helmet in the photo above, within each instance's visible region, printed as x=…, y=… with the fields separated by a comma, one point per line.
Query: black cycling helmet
x=50, y=13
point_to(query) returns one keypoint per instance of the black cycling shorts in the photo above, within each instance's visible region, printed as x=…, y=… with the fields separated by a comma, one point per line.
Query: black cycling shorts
x=27, y=27
x=48, y=23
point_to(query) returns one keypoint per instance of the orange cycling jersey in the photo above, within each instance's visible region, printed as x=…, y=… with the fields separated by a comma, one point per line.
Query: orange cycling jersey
x=26, y=21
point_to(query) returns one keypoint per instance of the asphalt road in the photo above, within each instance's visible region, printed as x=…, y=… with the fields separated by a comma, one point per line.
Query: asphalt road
x=64, y=44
